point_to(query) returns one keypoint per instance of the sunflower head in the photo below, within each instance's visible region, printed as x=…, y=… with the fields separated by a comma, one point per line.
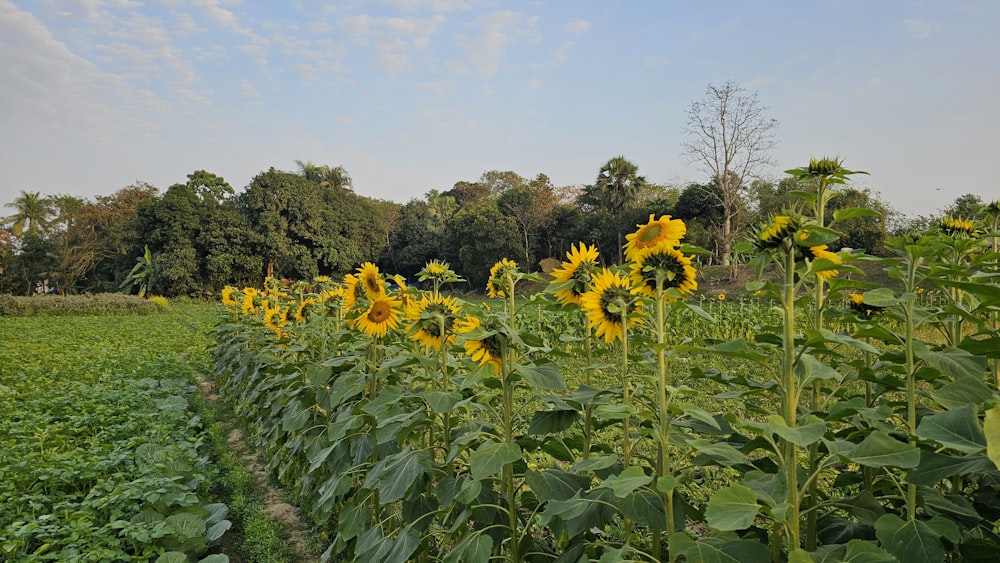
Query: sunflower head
x=249, y=305
x=956, y=227
x=352, y=292
x=382, y=314
x=503, y=276
x=573, y=278
x=721, y=297
x=655, y=232
x=371, y=280
x=432, y=320
x=663, y=266
x=821, y=252
x=610, y=304
x=275, y=317
x=485, y=344
x=305, y=307
x=778, y=232
x=227, y=296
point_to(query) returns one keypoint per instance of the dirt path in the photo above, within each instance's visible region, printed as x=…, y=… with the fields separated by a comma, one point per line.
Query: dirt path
x=285, y=514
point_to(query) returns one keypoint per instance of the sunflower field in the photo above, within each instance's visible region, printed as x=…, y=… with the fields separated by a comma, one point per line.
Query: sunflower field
x=610, y=418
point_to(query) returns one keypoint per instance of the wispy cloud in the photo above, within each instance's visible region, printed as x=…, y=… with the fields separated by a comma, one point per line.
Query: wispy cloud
x=487, y=49
x=578, y=26
x=918, y=28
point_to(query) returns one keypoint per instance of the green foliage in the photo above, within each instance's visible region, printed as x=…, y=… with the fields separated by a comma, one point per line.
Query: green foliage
x=75, y=305
x=477, y=238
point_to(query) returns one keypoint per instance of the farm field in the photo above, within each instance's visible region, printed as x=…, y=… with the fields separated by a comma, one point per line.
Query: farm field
x=101, y=458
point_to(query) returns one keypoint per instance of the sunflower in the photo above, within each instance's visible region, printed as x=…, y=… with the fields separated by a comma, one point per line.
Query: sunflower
x=857, y=302
x=351, y=289
x=302, y=311
x=497, y=285
x=485, y=350
x=721, y=297
x=576, y=273
x=382, y=314
x=608, y=302
x=654, y=233
x=322, y=279
x=227, y=296
x=775, y=233
x=248, y=305
x=820, y=252
x=955, y=227
x=370, y=279
x=666, y=263
x=429, y=316
x=275, y=318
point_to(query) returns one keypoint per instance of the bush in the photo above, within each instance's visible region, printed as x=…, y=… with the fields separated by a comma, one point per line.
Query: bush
x=160, y=302
x=62, y=305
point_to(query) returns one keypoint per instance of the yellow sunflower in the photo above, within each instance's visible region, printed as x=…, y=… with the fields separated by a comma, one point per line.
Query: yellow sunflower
x=487, y=350
x=608, y=302
x=302, y=311
x=382, y=314
x=429, y=316
x=654, y=233
x=275, y=318
x=775, y=233
x=820, y=252
x=497, y=285
x=248, y=305
x=575, y=273
x=370, y=279
x=322, y=279
x=955, y=227
x=666, y=262
x=351, y=289
x=721, y=297
x=227, y=296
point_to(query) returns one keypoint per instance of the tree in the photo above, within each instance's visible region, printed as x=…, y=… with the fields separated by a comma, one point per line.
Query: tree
x=964, y=207
x=477, y=238
x=619, y=184
x=32, y=213
x=529, y=207
x=730, y=139
x=326, y=176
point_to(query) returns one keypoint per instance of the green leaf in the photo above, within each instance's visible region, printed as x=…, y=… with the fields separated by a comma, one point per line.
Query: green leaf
x=718, y=452
x=646, y=508
x=801, y=435
x=627, y=481
x=719, y=550
x=186, y=524
x=552, y=421
x=217, y=530
x=769, y=487
x=962, y=391
x=852, y=213
x=542, y=374
x=405, y=544
x=956, y=428
x=732, y=508
x=555, y=484
x=860, y=551
x=799, y=555
x=934, y=467
x=172, y=557
x=991, y=427
x=595, y=463
x=879, y=449
x=953, y=361
x=443, y=401
x=881, y=297
x=398, y=474
x=490, y=457
x=911, y=541
x=215, y=558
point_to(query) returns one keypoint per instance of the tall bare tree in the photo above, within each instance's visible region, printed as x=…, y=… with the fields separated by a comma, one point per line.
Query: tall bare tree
x=730, y=138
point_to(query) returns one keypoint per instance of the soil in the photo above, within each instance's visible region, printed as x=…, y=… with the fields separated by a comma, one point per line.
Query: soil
x=287, y=515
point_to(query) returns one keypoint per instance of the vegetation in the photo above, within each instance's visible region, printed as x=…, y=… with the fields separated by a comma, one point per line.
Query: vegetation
x=610, y=418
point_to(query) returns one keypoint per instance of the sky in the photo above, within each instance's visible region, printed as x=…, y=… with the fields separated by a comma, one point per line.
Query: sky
x=414, y=95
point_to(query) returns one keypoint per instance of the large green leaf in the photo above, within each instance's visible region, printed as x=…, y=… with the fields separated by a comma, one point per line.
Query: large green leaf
x=769, y=487
x=646, y=508
x=542, y=374
x=555, y=484
x=398, y=474
x=859, y=551
x=879, y=449
x=552, y=421
x=991, y=426
x=911, y=541
x=934, y=467
x=172, y=557
x=957, y=428
x=804, y=435
x=186, y=524
x=490, y=457
x=627, y=481
x=718, y=550
x=962, y=391
x=442, y=401
x=953, y=362
x=732, y=508
x=718, y=452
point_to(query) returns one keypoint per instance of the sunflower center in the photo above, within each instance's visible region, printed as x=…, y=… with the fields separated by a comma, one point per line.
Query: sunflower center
x=616, y=298
x=379, y=312
x=649, y=235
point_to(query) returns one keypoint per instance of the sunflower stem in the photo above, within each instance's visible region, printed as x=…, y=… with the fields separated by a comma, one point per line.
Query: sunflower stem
x=790, y=400
x=508, y=468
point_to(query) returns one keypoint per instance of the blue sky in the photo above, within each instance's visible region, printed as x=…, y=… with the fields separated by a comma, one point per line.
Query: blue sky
x=413, y=95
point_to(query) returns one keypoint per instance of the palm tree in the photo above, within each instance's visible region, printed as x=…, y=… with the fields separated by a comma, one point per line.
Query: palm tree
x=325, y=175
x=33, y=212
x=619, y=183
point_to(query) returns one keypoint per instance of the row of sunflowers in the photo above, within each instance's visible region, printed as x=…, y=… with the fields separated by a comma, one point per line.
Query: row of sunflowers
x=413, y=425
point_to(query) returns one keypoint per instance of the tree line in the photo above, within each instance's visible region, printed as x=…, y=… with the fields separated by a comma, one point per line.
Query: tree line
x=200, y=235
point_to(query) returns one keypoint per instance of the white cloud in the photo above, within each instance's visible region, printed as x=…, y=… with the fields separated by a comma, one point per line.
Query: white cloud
x=429, y=5
x=495, y=32
x=578, y=26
